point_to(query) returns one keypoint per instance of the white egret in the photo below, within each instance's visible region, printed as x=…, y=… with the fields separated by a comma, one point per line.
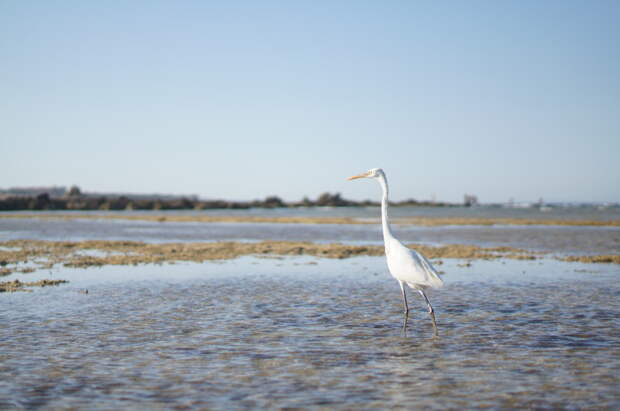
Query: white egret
x=406, y=265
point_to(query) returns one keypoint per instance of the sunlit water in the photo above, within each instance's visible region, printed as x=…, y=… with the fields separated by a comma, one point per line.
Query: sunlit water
x=304, y=332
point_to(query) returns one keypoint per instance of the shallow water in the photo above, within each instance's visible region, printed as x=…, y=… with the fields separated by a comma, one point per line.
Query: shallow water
x=302, y=332
x=556, y=212
x=557, y=239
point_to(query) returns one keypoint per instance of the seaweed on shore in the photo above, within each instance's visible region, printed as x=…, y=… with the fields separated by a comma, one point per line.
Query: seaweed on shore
x=99, y=253
x=16, y=285
x=46, y=254
x=609, y=258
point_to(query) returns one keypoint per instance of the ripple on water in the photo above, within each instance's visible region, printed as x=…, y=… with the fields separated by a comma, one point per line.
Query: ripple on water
x=260, y=335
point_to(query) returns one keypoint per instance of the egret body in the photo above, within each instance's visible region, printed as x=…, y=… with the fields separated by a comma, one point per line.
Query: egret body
x=406, y=265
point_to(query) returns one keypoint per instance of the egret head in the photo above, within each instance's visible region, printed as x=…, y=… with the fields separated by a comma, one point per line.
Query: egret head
x=372, y=173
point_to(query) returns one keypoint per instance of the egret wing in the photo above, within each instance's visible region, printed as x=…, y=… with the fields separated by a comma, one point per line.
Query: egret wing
x=411, y=267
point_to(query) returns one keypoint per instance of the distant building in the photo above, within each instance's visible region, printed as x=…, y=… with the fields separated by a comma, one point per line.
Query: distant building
x=470, y=200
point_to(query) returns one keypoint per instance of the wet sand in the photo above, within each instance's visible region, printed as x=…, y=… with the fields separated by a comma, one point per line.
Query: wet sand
x=419, y=221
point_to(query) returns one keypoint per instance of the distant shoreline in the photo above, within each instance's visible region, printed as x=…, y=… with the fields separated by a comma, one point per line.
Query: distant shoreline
x=91, y=202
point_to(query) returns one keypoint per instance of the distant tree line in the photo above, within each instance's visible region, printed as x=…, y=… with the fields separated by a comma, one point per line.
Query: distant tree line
x=74, y=199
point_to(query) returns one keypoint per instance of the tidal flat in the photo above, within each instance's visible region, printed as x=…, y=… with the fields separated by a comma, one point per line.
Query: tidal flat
x=233, y=315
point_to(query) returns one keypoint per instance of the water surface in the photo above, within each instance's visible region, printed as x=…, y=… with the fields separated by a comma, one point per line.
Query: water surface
x=303, y=332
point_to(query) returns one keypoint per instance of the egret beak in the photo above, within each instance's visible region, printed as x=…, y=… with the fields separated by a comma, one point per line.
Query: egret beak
x=363, y=175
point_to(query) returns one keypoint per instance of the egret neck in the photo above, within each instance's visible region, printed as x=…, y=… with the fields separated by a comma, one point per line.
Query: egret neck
x=387, y=231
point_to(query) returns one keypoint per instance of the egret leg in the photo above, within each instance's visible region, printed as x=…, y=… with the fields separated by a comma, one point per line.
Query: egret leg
x=430, y=311
x=402, y=288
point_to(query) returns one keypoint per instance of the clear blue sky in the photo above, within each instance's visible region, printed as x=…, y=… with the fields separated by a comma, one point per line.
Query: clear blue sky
x=240, y=100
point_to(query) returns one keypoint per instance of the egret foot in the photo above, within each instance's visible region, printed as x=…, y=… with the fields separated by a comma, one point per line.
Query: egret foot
x=432, y=313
